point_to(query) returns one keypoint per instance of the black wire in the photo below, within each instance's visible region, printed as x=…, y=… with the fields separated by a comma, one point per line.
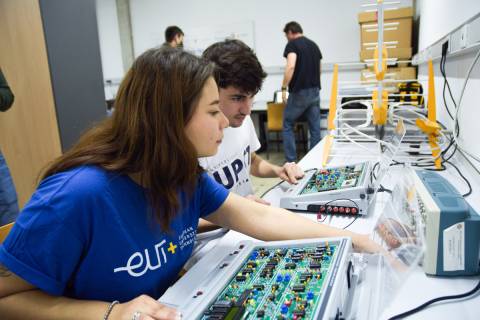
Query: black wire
x=465, y=179
x=441, y=124
x=442, y=71
x=451, y=155
x=279, y=183
x=271, y=188
x=452, y=142
x=396, y=163
x=345, y=199
x=348, y=225
x=426, y=304
x=443, y=61
x=383, y=189
x=372, y=173
x=324, y=218
x=448, y=86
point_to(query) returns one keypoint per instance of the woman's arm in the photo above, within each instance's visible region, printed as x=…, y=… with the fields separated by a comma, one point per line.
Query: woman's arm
x=270, y=223
x=260, y=167
x=21, y=300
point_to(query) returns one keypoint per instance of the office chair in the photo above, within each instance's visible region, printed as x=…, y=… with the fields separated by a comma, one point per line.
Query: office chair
x=4, y=230
x=275, y=124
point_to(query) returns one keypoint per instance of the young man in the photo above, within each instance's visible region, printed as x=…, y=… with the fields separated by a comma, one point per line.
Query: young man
x=302, y=76
x=173, y=37
x=239, y=77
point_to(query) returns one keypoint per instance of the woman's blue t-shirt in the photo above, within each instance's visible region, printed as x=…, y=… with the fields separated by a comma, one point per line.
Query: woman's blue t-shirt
x=86, y=234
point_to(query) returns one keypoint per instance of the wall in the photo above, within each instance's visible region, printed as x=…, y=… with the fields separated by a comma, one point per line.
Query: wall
x=332, y=25
x=51, y=58
x=439, y=17
x=109, y=37
x=29, y=136
x=436, y=21
x=71, y=36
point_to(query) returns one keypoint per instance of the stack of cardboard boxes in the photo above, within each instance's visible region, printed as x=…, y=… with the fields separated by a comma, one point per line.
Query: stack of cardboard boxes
x=397, y=37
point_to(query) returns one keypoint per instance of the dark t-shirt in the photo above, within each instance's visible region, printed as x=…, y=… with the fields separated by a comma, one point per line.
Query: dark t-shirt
x=307, y=66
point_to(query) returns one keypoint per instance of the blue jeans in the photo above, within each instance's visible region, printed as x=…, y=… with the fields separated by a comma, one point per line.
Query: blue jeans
x=304, y=102
x=8, y=196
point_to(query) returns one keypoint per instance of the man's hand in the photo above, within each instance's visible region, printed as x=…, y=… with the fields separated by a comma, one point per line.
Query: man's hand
x=284, y=96
x=290, y=172
x=257, y=199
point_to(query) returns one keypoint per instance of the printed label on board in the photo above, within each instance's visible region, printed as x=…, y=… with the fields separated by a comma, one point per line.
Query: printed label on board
x=454, y=247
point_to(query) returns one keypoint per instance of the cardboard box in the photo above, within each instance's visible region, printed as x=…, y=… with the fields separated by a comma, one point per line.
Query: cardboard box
x=407, y=73
x=387, y=15
x=397, y=28
x=400, y=53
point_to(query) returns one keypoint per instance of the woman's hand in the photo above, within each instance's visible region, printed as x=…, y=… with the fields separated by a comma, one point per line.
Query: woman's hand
x=363, y=243
x=143, y=308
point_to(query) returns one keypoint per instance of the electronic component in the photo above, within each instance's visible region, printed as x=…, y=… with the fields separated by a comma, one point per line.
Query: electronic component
x=300, y=279
x=452, y=227
x=334, y=190
x=347, y=189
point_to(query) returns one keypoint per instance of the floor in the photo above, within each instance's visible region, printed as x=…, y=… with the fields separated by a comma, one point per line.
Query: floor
x=261, y=185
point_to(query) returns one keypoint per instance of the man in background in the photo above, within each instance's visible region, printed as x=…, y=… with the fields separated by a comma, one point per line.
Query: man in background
x=173, y=37
x=302, y=78
x=8, y=196
x=239, y=77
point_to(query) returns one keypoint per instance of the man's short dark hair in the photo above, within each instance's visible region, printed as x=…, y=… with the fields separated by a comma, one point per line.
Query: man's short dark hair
x=293, y=27
x=171, y=32
x=236, y=65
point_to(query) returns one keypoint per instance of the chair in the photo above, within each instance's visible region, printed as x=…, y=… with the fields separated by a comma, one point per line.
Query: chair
x=4, y=230
x=275, y=124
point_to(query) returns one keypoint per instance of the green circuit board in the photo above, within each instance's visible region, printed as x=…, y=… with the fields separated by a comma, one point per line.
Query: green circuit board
x=277, y=283
x=334, y=178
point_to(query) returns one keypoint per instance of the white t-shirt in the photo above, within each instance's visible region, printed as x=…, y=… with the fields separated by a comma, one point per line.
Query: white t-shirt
x=231, y=165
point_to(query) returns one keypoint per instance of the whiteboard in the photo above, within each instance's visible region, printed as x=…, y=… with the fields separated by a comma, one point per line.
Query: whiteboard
x=201, y=38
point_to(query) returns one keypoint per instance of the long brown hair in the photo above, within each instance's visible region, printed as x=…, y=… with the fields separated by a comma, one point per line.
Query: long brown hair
x=145, y=134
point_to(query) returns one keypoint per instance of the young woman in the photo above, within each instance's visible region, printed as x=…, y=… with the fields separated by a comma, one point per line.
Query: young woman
x=114, y=219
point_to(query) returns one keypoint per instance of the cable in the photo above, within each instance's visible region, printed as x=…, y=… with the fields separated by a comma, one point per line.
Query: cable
x=465, y=179
x=383, y=189
x=463, y=89
x=457, y=132
x=323, y=220
x=344, y=199
x=348, y=225
x=279, y=183
x=271, y=188
x=445, y=81
x=426, y=304
x=341, y=199
x=372, y=173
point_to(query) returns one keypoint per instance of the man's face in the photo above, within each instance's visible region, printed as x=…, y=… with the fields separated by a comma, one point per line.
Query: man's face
x=179, y=40
x=289, y=35
x=235, y=105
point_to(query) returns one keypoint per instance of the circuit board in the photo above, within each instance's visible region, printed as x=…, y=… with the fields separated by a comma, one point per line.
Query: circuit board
x=334, y=179
x=276, y=283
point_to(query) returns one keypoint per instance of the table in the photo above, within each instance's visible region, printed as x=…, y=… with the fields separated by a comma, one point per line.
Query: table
x=417, y=289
